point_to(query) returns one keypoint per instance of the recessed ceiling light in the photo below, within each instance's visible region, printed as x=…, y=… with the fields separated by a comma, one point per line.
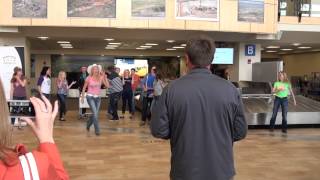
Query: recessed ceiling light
x=296, y=44
x=304, y=47
x=63, y=42
x=170, y=49
x=102, y=54
x=178, y=47
x=178, y=56
x=184, y=45
x=141, y=54
x=115, y=43
x=43, y=38
x=171, y=41
x=110, y=48
x=273, y=47
x=112, y=45
x=151, y=44
x=108, y=39
x=146, y=46
x=271, y=51
x=140, y=48
x=286, y=49
x=65, y=45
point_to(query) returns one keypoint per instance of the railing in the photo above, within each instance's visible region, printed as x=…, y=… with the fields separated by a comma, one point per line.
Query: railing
x=299, y=8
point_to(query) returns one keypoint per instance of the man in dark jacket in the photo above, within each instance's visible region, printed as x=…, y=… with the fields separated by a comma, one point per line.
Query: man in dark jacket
x=202, y=115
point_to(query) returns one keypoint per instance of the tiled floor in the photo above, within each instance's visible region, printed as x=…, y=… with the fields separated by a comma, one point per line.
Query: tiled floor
x=126, y=151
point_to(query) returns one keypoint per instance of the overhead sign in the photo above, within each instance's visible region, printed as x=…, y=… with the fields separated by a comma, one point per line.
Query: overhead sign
x=250, y=50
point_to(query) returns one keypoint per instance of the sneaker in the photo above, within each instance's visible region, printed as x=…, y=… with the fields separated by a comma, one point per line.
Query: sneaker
x=142, y=123
x=62, y=119
x=97, y=134
x=114, y=119
x=88, y=129
x=284, y=131
x=121, y=117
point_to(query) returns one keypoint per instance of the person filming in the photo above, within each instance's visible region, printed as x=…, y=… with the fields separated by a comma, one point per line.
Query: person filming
x=44, y=163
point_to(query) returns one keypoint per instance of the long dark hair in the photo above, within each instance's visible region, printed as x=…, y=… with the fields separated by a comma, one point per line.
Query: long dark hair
x=44, y=71
x=15, y=72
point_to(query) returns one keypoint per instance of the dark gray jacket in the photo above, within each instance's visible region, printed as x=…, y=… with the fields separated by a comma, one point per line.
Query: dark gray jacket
x=202, y=115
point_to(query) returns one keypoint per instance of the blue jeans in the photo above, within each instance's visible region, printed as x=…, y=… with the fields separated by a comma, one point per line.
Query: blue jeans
x=62, y=104
x=283, y=102
x=94, y=103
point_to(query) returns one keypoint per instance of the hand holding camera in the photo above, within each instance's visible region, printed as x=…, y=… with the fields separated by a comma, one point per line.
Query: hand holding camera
x=44, y=119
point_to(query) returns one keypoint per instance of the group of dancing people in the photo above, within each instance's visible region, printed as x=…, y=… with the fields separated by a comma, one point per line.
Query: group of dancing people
x=91, y=81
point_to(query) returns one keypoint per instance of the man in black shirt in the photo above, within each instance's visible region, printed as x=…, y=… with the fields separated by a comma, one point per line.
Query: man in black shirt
x=203, y=116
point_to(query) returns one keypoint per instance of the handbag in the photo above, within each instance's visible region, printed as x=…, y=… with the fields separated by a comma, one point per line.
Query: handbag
x=28, y=164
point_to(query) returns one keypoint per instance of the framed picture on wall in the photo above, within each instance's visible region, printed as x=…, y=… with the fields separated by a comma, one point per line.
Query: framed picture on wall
x=197, y=9
x=251, y=11
x=148, y=8
x=92, y=8
x=29, y=8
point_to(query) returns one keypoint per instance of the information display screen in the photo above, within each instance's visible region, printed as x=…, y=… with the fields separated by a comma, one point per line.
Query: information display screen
x=223, y=56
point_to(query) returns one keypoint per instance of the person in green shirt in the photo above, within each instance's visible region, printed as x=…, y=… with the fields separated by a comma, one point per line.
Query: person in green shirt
x=281, y=89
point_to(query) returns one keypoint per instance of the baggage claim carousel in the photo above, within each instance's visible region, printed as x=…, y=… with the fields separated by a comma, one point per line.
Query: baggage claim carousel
x=258, y=109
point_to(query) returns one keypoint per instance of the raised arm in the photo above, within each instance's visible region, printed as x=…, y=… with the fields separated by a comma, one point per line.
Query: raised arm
x=71, y=84
x=47, y=152
x=22, y=82
x=160, y=126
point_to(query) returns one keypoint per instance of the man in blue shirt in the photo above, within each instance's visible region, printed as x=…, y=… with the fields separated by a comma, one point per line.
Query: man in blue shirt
x=147, y=95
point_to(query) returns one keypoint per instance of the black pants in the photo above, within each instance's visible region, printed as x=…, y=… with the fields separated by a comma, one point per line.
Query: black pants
x=114, y=99
x=16, y=98
x=126, y=99
x=62, y=104
x=146, y=104
x=283, y=102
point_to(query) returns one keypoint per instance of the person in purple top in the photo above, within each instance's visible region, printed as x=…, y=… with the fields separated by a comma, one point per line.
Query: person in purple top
x=63, y=88
x=18, y=87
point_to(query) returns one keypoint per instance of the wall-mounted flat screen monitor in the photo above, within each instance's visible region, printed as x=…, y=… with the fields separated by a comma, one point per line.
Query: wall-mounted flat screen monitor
x=223, y=56
x=141, y=65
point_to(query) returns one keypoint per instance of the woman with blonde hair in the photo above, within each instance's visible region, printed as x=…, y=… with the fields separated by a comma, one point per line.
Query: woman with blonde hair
x=19, y=164
x=63, y=88
x=281, y=89
x=93, y=85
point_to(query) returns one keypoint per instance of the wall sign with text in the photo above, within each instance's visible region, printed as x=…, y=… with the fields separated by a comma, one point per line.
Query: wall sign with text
x=250, y=50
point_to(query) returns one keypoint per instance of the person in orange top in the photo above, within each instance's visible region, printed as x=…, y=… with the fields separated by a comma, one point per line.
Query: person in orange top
x=43, y=163
x=135, y=83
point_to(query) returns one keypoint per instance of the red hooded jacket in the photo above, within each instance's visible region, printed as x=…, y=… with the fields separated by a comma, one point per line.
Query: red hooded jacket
x=48, y=162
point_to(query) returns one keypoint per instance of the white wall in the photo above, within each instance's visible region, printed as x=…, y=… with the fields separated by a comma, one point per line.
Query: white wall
x=245, y=69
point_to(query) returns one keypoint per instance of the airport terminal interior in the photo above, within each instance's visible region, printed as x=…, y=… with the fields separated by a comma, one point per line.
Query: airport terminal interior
x=254, y=39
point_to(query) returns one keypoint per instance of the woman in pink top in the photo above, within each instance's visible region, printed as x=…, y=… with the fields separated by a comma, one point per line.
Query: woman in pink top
x=93, y=83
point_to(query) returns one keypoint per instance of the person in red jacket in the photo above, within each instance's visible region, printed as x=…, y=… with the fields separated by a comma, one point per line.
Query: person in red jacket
x=43, y=163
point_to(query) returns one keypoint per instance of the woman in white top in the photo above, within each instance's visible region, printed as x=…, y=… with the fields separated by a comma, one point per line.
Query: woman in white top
x=44, y=82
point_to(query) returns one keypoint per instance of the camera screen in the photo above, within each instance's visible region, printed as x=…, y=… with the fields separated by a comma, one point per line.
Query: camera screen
x=21, y=108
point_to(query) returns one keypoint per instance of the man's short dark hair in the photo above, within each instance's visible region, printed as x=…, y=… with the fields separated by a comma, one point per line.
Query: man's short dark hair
x=111, y=68
x=133, y=69
x=201, y=51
